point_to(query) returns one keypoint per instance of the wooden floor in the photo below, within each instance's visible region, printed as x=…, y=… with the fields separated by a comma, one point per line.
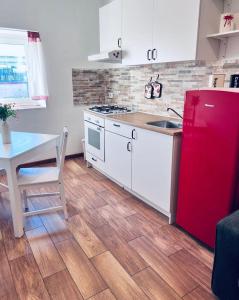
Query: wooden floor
x=112, y=247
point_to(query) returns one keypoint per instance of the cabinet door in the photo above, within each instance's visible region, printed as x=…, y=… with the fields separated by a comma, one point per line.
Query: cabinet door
x=151, y=167
x=137, y=26
x=175, y=29
x=118, y=158
x=110, y=26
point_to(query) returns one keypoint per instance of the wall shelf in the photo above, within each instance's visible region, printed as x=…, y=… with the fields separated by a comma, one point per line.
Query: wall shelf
x=223, y=35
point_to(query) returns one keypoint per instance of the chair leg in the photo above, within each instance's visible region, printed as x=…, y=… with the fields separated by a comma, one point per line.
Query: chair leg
x=63, y=199
x=26, y=207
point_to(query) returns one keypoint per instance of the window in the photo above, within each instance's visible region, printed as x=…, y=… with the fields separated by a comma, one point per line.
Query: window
x=16, y=84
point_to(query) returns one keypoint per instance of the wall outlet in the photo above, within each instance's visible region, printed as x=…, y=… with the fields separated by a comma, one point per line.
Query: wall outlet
x=111, y=95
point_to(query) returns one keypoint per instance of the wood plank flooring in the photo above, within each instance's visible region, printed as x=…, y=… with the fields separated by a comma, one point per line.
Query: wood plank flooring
x=112, y=247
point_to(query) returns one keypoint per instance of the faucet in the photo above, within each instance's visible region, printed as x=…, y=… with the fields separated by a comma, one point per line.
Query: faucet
x=169, y=108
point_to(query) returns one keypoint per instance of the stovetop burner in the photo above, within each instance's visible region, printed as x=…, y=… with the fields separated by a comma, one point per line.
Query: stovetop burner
x=110, y=109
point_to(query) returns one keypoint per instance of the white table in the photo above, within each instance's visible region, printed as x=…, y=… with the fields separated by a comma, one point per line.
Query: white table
x=24, y=147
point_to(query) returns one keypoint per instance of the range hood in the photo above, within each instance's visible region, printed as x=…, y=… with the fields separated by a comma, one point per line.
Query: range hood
x=114, y=56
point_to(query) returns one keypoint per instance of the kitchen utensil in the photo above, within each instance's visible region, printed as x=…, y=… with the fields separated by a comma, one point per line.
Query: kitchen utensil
x=148, y=92
x=217, y=80
x=157, y=88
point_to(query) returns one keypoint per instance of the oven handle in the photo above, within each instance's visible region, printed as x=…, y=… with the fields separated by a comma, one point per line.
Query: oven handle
x=95, y=125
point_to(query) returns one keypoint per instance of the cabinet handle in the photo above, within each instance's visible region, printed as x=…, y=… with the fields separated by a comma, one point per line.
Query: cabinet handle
x=116, y=125
x=149, y=54
x=154, y=54
x=129, y=146
x=133, y=134
x=119, y=43
x=94, y=159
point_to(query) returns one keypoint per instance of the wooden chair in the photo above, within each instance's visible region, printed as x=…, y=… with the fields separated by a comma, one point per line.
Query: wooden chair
x=28, y=177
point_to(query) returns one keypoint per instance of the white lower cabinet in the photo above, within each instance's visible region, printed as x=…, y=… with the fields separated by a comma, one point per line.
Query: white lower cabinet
x=152, y=167
x=146, y=164
x=118, y=158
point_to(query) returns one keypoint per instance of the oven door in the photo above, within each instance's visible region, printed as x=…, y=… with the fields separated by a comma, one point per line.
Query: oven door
x=95, y=140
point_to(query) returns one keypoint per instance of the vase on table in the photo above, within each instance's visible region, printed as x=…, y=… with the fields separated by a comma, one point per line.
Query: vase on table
x=6, y=134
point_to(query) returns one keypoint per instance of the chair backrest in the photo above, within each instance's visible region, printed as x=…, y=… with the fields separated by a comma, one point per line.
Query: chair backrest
x=61, y=150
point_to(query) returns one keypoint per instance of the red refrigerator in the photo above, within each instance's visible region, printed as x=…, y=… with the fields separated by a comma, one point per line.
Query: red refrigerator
x=209, y=168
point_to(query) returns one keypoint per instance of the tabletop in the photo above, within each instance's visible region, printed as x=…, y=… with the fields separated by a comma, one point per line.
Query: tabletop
x=23, y=142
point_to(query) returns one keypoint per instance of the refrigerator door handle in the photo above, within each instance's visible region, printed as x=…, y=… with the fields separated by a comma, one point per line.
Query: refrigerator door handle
x=210, y=105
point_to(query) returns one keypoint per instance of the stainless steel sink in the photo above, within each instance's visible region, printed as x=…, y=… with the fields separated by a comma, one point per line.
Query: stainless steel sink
x=166, y=124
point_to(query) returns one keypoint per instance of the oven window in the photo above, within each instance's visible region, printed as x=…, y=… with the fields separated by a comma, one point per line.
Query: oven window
x=94, y=138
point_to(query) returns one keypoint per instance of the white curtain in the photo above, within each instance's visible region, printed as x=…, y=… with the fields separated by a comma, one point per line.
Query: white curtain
x=36, y=70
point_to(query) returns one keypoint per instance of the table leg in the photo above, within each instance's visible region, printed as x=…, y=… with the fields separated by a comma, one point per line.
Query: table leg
x=15, y=200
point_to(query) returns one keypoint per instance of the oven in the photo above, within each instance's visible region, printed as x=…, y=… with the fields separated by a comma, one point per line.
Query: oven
x=95, y=136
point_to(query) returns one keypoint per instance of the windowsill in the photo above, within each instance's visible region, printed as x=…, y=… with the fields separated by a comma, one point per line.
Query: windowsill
x=25, y=104
x=26, y=107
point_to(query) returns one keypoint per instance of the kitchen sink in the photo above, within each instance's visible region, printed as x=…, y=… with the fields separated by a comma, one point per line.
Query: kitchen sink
x=165, y=124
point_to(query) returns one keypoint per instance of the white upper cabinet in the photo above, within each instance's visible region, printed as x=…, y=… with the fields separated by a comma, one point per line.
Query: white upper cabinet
x=169, y=30
x=154, y=31
x=175, y=30
x=137, y=36
x=110, y=26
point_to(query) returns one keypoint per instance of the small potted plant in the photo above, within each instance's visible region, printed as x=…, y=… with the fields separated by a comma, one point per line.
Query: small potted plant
x=6, y=111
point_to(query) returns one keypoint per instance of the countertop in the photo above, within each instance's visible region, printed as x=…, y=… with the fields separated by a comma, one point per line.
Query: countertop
x=139, y=119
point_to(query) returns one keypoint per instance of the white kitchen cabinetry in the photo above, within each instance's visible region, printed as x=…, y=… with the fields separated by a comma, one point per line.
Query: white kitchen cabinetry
x=95, y=161
x=153, y=168
x=118, y=158
x=137, y=34
x=175, y=30
x=144, y=162
x=169, y=30
x=118, y=128
x=110, y=26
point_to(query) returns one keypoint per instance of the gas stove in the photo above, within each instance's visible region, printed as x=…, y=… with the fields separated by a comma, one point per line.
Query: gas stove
x=110, y=109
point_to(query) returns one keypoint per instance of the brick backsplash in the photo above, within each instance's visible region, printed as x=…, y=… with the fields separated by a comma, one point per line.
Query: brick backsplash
x=127, y=83
x=88, y=87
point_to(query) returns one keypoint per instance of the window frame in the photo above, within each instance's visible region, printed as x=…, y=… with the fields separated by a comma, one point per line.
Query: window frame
x=19, y=37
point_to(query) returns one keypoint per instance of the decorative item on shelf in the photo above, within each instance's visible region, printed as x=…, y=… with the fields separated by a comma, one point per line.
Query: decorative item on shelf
x=227, y=22
x=217, y=80
x=157, y=88
x=6, y=111
x=148, y=91
x=234, y=81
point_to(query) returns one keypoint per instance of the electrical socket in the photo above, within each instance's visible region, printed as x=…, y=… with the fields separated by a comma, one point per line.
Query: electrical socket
x=111, y=95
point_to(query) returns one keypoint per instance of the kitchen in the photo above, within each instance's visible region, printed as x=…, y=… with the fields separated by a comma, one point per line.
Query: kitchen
x=155, y=112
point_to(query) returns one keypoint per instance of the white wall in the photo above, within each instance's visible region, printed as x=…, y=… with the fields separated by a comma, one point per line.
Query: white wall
x=104, y=2
x=69, y=31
